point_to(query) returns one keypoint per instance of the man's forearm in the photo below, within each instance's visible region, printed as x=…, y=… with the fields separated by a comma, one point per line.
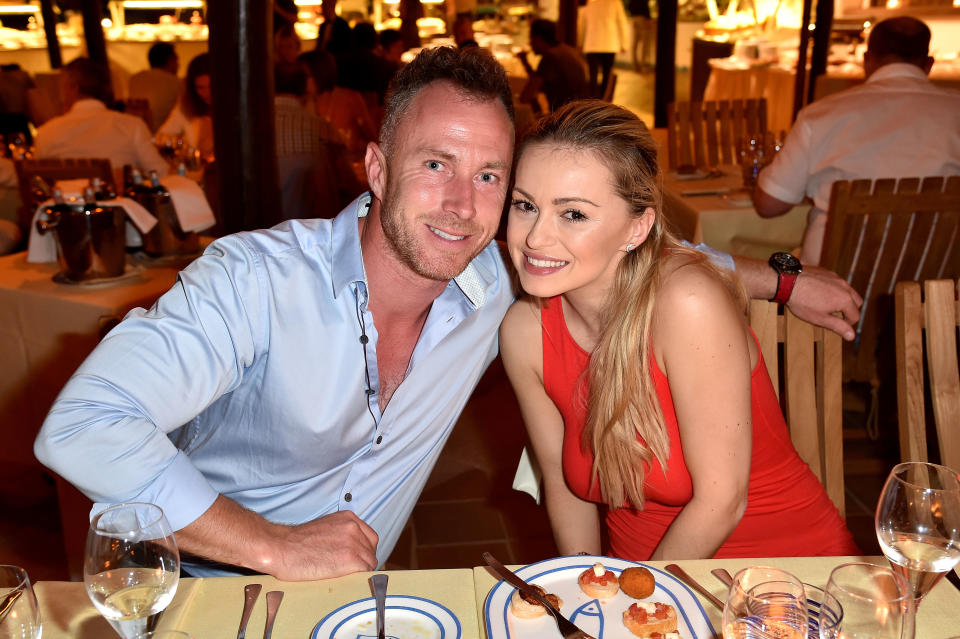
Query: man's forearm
x=230, y=534
x=759, y=280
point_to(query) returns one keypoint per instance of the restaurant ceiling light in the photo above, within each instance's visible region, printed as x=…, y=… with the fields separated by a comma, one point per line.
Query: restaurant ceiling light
x=19, y=8
x=162, y=4
x=106, y=23
x=308, y=3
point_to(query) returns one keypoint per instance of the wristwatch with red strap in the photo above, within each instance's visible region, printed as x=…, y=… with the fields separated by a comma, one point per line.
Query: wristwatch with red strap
x=788, y=268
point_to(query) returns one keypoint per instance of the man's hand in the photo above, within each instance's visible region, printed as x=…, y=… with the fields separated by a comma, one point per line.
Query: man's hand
x=330, y=546
x=819, y=294
x=334, y=545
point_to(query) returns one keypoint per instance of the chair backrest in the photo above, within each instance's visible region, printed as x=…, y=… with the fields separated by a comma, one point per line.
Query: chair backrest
x=707, y=134
x=938, y=317
x=883, y=232
x=810, y=370
x=139, y=107
x=51, y=170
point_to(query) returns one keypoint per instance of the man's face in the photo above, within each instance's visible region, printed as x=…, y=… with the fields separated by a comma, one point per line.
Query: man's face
x=446, y=180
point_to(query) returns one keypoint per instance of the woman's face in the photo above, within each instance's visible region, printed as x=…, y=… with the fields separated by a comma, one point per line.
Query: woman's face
x=568, y=228
x=201, y=84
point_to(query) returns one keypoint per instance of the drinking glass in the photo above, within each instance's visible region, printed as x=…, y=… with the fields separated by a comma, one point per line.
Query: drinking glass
x=872, y=602
x=918, y=523
x=131, y=566
x=19, y=611
x=765, y=602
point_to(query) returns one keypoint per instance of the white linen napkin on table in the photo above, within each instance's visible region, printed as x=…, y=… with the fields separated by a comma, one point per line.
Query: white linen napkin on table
x=190, y=203
x=43, y=247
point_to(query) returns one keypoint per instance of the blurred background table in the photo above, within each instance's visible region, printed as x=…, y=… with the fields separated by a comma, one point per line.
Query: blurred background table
x=47, y=329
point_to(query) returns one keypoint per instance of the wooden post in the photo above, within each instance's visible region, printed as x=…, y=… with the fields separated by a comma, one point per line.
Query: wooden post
x=567, y=22
x=821, y=45
x=93, y=30
x=244, y=131
x=50, y=31
x=665, y=82
x=799, y=80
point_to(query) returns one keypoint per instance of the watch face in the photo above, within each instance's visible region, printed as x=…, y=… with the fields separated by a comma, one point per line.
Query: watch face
x=785, y=263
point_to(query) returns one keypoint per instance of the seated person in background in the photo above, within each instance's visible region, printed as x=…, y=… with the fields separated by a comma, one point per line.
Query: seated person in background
x=158, y=85
x=642, y=387
x=250, y=401
x=286, y=44
x=315, y=178
x=896, y=124
x=392, y=50
x=562, y=72
x=191, y=118
x=90, y=130
x=463, y=32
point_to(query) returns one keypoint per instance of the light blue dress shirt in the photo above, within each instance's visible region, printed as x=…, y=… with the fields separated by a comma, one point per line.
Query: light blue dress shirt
x=250, y=378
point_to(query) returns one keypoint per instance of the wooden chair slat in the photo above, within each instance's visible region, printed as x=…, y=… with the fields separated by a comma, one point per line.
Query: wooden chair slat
x=673, y=150
x=910, y=410
x=941, y=326
x=713, y=149
x=699, y=142
x=727, y=140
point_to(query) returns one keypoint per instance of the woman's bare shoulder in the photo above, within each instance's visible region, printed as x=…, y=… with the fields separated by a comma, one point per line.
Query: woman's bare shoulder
x=520, y=329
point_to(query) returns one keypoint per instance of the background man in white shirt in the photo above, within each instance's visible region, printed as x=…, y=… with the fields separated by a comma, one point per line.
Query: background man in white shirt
x=90, y=130
x=896, y=124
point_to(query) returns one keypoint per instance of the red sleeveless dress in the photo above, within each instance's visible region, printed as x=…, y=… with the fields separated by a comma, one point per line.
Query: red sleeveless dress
x=788, y=512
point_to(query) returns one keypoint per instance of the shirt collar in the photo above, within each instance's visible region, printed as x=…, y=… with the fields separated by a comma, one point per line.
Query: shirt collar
x=897, y=70
x=88, y=104
x=347, y=267
x=288, y=101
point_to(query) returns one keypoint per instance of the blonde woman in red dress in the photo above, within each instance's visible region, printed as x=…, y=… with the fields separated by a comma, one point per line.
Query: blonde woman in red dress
x=643, y=389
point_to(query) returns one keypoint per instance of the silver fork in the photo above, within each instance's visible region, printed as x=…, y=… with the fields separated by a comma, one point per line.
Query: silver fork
x=564, y=625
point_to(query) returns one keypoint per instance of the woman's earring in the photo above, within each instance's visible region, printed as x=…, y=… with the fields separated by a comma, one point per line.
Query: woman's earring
x=630, y=247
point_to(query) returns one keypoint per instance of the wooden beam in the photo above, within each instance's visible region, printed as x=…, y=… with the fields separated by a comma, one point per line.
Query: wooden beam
x=799, y=80
x=567, y=22
x=821, y=45
x=241, y=46
x=665, y=89
x=93, y=30
x=50, y=31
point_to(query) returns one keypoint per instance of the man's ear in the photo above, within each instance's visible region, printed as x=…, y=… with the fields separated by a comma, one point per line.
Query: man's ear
x=375, y=163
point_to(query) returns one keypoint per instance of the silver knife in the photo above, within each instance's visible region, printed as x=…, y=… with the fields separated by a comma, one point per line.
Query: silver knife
x=379, y=583
x=566, y=627
x=250, y=594
x=274, y=597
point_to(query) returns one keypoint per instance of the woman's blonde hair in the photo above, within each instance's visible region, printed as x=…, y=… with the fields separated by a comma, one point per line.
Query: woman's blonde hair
x=623, y=402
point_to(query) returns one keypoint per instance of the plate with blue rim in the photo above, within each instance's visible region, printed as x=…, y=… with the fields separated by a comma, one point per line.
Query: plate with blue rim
x=600, y=618
x=405, y=617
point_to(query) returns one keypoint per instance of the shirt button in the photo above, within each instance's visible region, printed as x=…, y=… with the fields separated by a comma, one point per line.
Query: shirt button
x=370, y=391
x=347, y=497
x=364, y=339
x=379, y=438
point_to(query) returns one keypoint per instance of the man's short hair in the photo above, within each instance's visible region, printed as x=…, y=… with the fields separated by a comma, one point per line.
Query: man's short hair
x=474, y=72
x=388, y=37
x=903, y=37
x=290, y=79
x=160, y=54
x=546, y=30
x=92, y=79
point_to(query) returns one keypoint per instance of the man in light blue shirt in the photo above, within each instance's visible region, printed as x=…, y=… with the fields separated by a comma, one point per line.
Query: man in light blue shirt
x=286, y=400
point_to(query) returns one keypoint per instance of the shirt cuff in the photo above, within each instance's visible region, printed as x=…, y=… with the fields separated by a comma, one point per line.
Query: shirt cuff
x=181, y=491
x=771, y=188
x=717, y=258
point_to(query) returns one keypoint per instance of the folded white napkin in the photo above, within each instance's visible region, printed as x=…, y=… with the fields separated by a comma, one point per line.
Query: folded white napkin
x=193, y=210
x=527, y=479
x=43, y=247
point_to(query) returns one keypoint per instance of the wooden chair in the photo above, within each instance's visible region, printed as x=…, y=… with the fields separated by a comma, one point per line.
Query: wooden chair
x=805, y=361
x=139, y=107
x=707, y=134
x=938, y=318
x=51, y=170
x=883, y=232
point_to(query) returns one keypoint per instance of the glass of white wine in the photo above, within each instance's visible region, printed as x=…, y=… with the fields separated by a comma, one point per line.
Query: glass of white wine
x=131, y=566
x=766, y=603
x=19, y=611
x=918, y=523
x=866, y=602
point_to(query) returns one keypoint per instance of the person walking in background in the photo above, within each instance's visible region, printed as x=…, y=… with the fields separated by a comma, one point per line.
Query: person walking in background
x=561, y=74
x=158, y=85
x=642, y=33
x=191, y=118
x=602, y=33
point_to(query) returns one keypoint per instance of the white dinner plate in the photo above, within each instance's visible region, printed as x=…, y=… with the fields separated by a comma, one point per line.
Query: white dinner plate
x=405, y=618
x=602, y=619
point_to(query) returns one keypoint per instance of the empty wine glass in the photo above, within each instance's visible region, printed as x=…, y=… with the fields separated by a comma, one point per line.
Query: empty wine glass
x=918, y=523
x=765, y=602
x=131, y=566
x=867, y=602
x=19, y=611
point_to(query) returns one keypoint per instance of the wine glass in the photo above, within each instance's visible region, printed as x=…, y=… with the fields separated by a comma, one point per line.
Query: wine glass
x=918, y=523
x=19, y=611
x=866, y=601
x=765, y=602
x=131, y=566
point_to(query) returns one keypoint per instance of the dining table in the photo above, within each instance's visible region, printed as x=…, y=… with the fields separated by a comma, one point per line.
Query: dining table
x=210, y=608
